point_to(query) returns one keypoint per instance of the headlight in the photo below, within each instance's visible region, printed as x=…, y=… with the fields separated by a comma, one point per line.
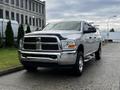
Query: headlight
x=20, y=43
x=68, y=44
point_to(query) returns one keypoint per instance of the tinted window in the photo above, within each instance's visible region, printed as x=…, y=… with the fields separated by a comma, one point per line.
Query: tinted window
x=89, y=28
x=85, y=27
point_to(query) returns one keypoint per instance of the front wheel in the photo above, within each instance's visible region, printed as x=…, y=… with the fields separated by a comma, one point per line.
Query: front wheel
x=30, y=68
x=79, y=65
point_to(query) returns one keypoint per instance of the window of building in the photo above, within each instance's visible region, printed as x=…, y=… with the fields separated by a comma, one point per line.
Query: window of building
x=30, y=20
x=29, y=4
x=36, y=7
x=22, y=19
x=43, y=23
x=22, y=3
x=42, y=9
x=26, y=5
x=33, y=6
x=26, y=20
x=7, y=1
x=17, y=2
x=33, y=21
x=7, y=14
x=39, y=22
x=39, y=8
x=17, y=17
x=12, y=16
x=12, y=1
x=36, y=21
x=1, y=13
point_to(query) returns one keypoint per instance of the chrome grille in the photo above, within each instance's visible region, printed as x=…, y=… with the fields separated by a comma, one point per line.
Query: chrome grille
x=40, y=43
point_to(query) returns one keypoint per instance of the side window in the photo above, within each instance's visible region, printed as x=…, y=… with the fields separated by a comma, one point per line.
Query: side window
x=92, y=29
x=88, y=29
x=85, y=27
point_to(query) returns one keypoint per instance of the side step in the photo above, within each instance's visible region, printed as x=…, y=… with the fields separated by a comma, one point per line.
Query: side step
x=88, y=58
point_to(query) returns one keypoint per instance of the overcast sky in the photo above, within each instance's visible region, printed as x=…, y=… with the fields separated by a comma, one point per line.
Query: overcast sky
x=97, y=11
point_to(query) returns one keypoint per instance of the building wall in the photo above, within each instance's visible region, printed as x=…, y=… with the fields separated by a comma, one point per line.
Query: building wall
x=32, y=11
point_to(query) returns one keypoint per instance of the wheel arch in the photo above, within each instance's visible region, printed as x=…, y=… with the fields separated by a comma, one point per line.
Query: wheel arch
x=80, y=48
x=100, y=44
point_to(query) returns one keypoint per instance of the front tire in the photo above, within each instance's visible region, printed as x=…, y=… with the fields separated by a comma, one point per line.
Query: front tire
x=30, y=68
x=79, y=65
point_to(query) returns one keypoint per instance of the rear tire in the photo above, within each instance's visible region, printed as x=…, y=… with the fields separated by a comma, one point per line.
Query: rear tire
x=98, y=54
x=79, y=65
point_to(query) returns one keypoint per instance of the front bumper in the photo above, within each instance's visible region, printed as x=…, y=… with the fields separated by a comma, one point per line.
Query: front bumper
x=59, y=58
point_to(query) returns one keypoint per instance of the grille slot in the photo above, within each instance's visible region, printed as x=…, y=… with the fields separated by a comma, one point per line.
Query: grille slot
x=30, y=39
x=40, y=55
x=50, y=39
x=29, y=46
x=40, y=43
x=50, y=47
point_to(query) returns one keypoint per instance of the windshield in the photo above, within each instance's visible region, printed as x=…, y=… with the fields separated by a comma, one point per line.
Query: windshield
x=63, y=26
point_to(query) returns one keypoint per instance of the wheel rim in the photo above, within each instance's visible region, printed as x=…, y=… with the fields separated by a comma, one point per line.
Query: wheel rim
x=80, y=64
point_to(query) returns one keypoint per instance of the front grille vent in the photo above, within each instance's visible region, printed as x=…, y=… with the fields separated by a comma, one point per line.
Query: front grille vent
x=40, y=43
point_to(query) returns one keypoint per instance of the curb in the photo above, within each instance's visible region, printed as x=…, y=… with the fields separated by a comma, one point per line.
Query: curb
x=11, y=70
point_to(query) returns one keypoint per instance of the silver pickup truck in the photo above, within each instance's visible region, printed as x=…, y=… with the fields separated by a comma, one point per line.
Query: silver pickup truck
x=67, y=43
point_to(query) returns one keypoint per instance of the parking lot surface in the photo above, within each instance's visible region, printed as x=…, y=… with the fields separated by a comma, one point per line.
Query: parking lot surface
x=98, y=75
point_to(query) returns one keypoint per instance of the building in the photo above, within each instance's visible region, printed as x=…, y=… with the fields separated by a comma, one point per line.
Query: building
x=26, y=12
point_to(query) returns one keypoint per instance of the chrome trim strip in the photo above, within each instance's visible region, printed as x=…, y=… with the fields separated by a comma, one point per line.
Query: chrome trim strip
x=39, y=58
x=48, y=53
x=40, y=43
x=26, y=52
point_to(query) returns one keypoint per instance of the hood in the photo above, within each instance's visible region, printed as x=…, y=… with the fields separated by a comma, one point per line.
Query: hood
x=71, y=34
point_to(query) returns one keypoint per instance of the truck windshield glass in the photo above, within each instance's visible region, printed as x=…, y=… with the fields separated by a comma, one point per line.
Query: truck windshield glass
x=63, y=26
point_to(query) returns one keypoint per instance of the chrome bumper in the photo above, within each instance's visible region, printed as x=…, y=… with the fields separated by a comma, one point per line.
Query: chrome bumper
x=62, y=58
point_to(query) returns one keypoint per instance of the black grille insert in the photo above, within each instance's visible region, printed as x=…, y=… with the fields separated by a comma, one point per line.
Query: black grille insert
x=50, y=39
x=30, y=39
x=41, y=43
x=29, y=46
x=50, y=47
x=40, y=55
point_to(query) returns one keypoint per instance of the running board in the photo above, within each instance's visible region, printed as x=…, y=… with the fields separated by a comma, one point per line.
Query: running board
x=88, y=58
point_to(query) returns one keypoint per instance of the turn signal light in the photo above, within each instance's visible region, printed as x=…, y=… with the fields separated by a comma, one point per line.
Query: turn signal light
x=73, y=46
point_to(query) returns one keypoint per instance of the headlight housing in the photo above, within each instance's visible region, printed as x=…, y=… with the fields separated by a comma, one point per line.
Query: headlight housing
x=68, y=44
x=20, y=43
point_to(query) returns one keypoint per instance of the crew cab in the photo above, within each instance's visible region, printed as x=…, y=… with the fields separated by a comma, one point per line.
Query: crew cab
x=65, y=43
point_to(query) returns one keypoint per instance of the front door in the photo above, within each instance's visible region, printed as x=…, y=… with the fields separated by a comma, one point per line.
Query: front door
x=88, y=39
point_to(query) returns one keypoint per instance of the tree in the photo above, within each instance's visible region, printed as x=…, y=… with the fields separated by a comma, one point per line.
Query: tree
x=28, y=29
x=9, y=40
x=112, y=30
x=20, y=33
x=1, y=43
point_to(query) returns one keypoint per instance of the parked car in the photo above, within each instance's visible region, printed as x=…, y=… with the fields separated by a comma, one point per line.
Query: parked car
x=67, y=43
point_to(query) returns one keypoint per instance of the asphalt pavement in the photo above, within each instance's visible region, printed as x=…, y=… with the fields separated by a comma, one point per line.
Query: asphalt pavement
x=98, y=75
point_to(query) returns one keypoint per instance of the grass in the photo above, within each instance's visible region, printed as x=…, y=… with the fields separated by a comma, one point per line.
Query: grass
x=8, y=58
